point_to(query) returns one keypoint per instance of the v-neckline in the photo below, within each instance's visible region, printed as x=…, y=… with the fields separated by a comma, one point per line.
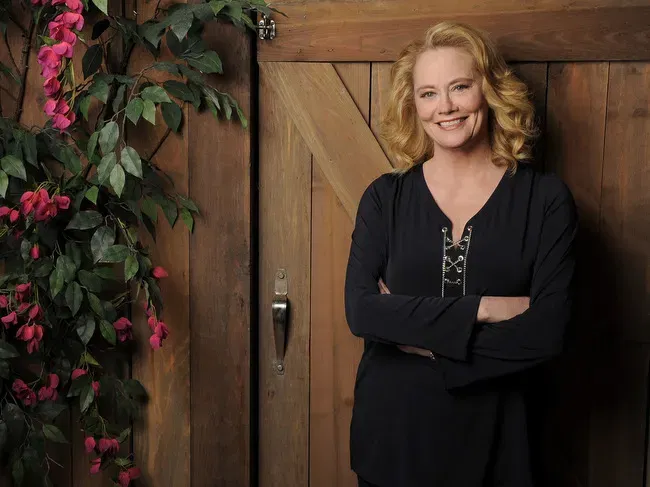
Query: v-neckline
x=476, y=215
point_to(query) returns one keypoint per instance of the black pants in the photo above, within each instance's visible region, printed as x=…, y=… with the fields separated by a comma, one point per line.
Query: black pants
x=363, y=483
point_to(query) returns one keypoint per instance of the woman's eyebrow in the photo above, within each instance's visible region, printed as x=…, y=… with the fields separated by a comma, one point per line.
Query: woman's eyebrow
x=455, y=80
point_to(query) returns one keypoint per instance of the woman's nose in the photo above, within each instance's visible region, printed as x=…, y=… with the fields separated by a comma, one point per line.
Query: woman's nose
x=445, y=106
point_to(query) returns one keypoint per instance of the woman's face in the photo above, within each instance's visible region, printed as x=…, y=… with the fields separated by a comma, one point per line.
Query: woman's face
x=449, y=99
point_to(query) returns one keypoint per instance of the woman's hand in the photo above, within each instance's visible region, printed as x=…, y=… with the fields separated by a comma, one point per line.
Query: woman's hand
x=493, y=309
x=383, y=289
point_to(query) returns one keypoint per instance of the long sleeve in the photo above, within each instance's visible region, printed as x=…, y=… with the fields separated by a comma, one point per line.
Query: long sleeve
x=536, y=335
x=442, y=325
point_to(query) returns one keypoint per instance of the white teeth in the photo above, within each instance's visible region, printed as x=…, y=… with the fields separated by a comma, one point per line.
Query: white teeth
x=451, y=123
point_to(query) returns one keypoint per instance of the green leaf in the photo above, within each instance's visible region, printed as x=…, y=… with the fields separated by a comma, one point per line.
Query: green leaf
x=85, y=220
x=170, y=210
x=102, y=5
x=53, y=433
x=119, y=98
x=217, y=5
x=92, y=145
x=130, y=267
x=14, y=166
x=42, y=267
x=95, y=304
x=56, y=282
x=86, y=398
x=108, y=137
x=188, y=203
x=135, y=388
x=73, y=297
x=4, y=435
x=7, y=350
x=99, y=28
x=134, y=110
x=99, y=89
x=179, y=90
x=102, y=239
x=105, y=273
x=123, y=436
x=208, y=62
x=18, y=472
x=29, y=149
x=90, y=280
x=5, y=371
x=155, y=94
x=87, y=358
x=187, y=218
x=91, y=194
x=166, y=66
x=67, y=267
x=115, y=253
x=182, y=22
x=106, y=166
x=4, y=183
x=172, y=115
x=108, y=332
x=49, y=410
x=92, y=60
x=84, y=106
x=149, y=111
x=148, y=207
x=117, y=179
x=131, y=162
x=86, y=328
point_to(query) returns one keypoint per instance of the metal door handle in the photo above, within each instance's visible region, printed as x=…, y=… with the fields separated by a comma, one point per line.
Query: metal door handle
x=280, y=312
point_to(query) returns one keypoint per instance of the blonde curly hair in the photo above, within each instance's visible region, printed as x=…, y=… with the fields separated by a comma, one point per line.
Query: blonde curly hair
x=511, y=119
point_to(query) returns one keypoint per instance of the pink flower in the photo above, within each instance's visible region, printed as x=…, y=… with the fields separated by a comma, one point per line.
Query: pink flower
x=36, y=312
x=159, y=272
x=23, y=392
x=23, y=291
x=123, y=328
x=96, y=465
x=23, y=307
x=125, y=476
x=110, y=445
x=46, y=209
x=74, y=5
x=62, y=122
x=49, y=390
x=152, y=322
x=76, y=373
x=13, y=216
x=35, y=252
x=51, y=86
x=90, y=444
x=70, y=20
x=53, y=107
x=160, y=333
x=10, y=319
x=50, y=61
x=32, y=334
x=59, y=32
x=4, y=211
x=29, y=199
x=4, y=302
x=95, y=386
x=62, y=202
x=63, y=49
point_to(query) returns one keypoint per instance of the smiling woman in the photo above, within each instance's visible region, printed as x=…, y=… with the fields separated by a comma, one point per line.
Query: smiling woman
x=460, y=274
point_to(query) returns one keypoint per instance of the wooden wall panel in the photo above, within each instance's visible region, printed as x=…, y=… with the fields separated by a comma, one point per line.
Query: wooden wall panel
x=335, y=352
x=575, y=129
x=537, y=31
x=380, y=89
x=219, y=156
x=285, y=165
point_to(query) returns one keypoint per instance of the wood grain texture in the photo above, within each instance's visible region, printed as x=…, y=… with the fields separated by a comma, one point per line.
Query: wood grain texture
x=220, y=279
x=338, y=136
x=576, y=106
x=625, y=226
x=377, y=31
x=335, y=352
x=284, y=242
x=380, y=86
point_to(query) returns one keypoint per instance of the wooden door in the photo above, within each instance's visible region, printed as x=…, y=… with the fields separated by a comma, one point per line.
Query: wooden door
x=322, y=85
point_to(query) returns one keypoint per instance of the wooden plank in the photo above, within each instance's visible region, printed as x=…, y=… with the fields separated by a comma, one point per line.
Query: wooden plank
x=324, y=31
x=338, y=136
x=285, y=242
x=577, y=98
x=381, y=85
x=625, y=226
x=220, y=267
x=335, y=352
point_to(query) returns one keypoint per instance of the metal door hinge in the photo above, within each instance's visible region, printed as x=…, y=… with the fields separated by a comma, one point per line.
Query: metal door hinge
x=266, y=28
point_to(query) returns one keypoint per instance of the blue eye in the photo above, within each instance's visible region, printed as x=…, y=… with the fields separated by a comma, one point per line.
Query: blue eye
x=460, y=87
x=424, y=95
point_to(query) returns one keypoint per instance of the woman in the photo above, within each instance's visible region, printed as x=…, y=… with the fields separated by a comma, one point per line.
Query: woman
x=459, y=276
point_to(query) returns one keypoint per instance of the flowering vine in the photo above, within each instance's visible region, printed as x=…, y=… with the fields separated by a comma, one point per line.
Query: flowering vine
x=75, y=196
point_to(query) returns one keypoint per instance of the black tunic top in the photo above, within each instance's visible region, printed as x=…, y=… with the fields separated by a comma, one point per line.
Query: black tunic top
x=457, y=419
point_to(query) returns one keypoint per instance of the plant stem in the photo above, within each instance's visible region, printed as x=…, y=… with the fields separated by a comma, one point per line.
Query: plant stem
x=24, y=61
